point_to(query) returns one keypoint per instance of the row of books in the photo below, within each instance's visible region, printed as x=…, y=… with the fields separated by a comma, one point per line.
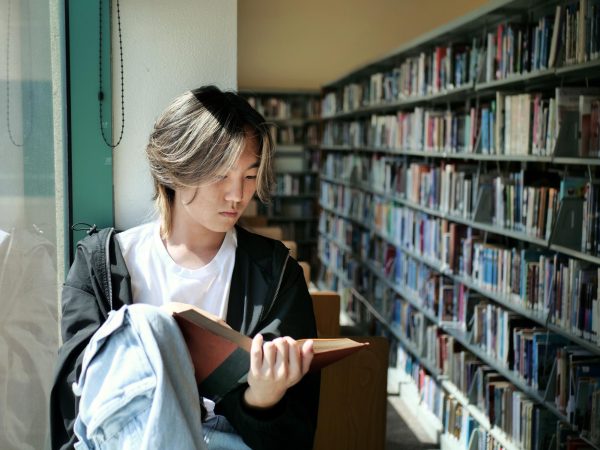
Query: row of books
x=514, y=343
x=535, y=356
x=446, y=187
x=524, y=201
x=531, y=426
x=432, y=395
x=292, y=184
x=348, y=201
x=460, y=428
x=313, y=134
x=565, y=36
x=287, y=135
x=335, y=227
x=515, y=206
x=443, y=69
x=285, y=107
x=525, y=423
x=580, y=30
x=538, y=355
x=516, y=124
x=563, y=289
x=503, y=201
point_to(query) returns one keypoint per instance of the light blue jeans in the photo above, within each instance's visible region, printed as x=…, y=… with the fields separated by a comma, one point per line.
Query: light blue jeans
x=137, y=389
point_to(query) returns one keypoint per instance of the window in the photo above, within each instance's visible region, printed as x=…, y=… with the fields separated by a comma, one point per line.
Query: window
x=31, y=216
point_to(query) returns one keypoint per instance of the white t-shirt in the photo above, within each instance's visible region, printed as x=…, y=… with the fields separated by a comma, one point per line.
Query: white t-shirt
x=157, y=279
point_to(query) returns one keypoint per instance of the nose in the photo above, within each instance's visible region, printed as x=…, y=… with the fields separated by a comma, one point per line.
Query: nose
x=235, y=190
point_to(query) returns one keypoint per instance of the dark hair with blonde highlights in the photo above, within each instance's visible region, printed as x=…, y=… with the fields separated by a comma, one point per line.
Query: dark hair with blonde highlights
x=199, y=136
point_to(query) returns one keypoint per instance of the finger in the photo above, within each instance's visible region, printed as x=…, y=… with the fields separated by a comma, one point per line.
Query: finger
x=270, y=353
x=294, y=367
x=281, y=361
x=307, y=355
x=256, y=353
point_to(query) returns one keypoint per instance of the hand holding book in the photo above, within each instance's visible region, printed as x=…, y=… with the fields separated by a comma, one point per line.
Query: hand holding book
x=275, y=366
x=221, y=355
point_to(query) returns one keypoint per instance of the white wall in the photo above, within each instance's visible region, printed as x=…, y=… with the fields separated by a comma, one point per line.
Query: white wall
x=168, y=47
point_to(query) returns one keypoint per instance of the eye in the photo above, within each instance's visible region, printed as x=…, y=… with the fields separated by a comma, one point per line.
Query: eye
x=251, y=177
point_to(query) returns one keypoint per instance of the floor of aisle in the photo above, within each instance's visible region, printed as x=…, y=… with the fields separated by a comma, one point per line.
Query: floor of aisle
x=404, y=430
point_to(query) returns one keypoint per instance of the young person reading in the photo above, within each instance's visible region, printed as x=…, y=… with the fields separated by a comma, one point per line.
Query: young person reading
x=124, y=377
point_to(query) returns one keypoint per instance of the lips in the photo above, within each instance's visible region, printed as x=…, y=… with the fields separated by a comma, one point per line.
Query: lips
x=231, y=214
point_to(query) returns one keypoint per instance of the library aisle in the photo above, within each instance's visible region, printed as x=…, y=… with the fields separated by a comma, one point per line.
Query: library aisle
x=460, y=217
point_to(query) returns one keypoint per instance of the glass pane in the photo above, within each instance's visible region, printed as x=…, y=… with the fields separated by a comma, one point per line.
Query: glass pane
x=28, y=225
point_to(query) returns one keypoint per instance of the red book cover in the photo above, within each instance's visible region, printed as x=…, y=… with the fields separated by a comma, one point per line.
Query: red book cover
x=221, y=355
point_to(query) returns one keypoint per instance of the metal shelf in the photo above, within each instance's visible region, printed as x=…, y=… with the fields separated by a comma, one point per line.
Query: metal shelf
x=515, y=79
x=402, y=103
x=579, y=69
x=548, y=159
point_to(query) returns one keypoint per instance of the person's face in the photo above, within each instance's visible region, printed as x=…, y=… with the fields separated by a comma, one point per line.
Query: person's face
x=218, y=206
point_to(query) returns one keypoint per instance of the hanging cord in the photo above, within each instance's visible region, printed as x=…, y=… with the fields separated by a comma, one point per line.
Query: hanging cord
x=100, y=90
x=8, y=113
x=82, y=226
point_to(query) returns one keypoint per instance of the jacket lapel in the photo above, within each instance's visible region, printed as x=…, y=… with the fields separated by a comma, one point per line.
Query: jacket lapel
x=252, y=282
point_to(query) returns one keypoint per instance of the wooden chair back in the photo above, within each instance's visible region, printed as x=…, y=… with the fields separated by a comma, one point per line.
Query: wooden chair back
x=353, y=401
x=326, y=305
x=306, y=269
x=291, y=245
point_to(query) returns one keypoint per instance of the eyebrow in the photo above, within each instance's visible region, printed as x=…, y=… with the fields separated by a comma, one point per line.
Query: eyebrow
x=254, y=165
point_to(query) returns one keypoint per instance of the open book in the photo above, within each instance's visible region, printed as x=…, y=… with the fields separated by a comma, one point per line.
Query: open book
x=221, y=355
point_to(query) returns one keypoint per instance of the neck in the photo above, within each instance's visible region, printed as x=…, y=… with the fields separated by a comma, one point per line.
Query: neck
x=190, y=244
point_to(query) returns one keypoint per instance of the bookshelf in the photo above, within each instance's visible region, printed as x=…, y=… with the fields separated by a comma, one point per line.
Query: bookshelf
x=295, y=120
x=460, y=215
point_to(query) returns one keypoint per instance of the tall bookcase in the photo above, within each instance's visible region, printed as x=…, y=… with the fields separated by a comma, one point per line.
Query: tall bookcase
x=295, y=119
x=460, y=214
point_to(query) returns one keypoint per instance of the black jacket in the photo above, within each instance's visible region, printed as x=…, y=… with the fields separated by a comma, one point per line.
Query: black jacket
x=268, y=294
